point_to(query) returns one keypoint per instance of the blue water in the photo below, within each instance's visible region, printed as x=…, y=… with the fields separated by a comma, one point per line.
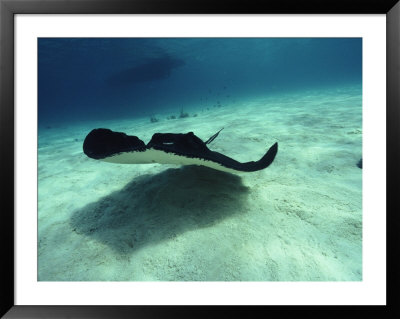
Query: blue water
x=109, y=78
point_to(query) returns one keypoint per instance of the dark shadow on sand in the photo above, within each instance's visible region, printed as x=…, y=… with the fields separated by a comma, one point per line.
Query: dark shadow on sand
x=154, y=208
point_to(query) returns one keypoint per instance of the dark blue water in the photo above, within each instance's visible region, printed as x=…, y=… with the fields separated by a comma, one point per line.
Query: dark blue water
x=95, y=78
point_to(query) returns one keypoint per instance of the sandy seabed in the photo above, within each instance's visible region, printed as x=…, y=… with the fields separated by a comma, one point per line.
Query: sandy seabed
x=300, y=219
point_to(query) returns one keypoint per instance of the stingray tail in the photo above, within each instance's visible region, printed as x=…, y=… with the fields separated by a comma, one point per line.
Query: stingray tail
x=212, y=138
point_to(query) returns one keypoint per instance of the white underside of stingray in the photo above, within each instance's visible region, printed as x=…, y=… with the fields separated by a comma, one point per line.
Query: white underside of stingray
x=161, y=157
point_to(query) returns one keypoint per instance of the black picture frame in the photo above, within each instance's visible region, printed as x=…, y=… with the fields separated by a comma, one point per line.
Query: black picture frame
x=8, y=8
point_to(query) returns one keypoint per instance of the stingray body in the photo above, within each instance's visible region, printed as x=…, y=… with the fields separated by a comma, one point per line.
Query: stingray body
x=166, y=148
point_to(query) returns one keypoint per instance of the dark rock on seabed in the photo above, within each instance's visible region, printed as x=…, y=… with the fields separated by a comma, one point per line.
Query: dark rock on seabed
x=359, y=164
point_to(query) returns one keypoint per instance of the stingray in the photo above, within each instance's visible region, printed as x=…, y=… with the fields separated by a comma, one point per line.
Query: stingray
x=166, y=148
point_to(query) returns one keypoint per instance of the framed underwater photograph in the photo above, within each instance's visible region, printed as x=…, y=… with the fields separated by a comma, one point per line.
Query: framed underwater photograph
x=175, y=154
